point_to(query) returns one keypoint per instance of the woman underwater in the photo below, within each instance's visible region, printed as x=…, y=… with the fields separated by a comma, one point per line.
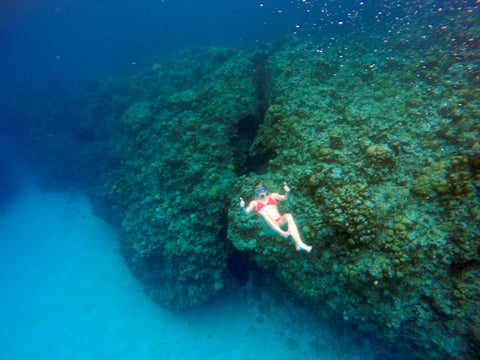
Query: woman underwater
x=270, y=218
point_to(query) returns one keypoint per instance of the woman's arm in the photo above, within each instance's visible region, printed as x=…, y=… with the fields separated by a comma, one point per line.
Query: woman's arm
x=250, y=207
x=279, y=197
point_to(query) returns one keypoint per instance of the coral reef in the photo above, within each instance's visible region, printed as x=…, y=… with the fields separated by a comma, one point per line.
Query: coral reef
x=176, y=136
x=385, y=186
x=379, y=144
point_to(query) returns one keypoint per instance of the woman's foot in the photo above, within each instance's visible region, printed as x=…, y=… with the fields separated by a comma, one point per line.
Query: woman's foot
x=303, y=247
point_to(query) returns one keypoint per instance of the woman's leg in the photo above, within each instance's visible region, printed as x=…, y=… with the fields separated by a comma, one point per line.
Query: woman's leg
x=275, y=226
x=293, y=230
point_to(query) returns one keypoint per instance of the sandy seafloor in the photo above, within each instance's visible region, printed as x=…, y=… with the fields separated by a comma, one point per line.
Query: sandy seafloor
x=66, y=293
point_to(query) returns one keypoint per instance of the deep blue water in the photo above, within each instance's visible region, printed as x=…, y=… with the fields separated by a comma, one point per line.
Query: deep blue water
x=72, y=40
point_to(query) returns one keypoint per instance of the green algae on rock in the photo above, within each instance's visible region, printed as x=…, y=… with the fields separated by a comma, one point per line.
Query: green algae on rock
x=390, y=217
x=176, y=160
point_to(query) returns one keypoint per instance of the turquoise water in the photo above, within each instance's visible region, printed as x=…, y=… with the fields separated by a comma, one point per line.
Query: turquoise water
x=67, y=294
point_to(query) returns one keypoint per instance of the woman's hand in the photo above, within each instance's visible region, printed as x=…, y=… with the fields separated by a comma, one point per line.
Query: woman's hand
x=287, y=189
x=242, y=203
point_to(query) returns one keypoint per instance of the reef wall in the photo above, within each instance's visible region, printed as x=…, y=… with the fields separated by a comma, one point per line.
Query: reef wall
x=379, y=144
x=179, y=132
x=383, y=163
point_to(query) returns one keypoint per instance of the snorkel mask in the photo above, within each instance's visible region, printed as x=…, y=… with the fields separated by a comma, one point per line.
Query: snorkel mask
x=261, y=190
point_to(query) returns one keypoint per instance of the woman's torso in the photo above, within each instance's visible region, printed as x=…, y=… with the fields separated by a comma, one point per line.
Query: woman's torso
x=268, y=206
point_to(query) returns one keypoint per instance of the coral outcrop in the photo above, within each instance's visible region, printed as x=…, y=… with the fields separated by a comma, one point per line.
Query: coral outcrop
x=175, y=137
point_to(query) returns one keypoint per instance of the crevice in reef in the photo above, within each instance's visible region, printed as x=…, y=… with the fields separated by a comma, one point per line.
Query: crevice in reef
x=247, y=127
x=260, y=80
x=239, y=266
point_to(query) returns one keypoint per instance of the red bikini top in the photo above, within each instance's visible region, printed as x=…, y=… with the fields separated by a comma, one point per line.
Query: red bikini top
x=270, y=201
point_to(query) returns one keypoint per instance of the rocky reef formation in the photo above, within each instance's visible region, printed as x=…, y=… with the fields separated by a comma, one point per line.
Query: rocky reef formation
x=178, y=133
x=388, y=200
x=378, y=143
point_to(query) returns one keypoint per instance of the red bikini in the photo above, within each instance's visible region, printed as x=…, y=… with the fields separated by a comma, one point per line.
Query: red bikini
x=261, y=205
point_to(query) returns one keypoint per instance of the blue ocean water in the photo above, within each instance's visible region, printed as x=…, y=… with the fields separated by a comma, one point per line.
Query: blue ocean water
x=66, y=292
x=71, y=40
x=74, y=39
